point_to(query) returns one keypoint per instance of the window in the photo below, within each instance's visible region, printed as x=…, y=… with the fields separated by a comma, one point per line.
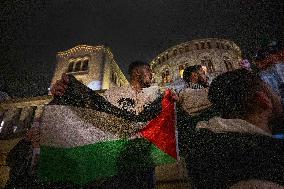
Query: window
x=181, y=69
x=77, y=66
x=202, y=45
x=70, y=67
x=163, y=59
x=222, y=46
x=85, y=65
x=167, y=56
x=228, y=64
x=159, y=61
x=175, y=52
x=197, y=46
x=166, y=78
x=16, y=119
x=209, y=65
x=186, y=48
x=227, y=47
x=217, y=45
x=208, y=45
x=112, y=76
x=180, y=50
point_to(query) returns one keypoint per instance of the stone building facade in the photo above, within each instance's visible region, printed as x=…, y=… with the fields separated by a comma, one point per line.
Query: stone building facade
x=217, y=55
x=93, y=66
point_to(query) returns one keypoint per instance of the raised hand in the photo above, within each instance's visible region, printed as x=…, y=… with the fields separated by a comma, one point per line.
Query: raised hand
x=59, y=88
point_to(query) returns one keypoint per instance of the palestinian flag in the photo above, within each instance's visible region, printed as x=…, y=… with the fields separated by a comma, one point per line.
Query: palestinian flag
x=85, y=138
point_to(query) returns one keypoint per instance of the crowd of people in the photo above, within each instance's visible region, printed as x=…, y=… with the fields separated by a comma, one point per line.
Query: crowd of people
x=226, y=128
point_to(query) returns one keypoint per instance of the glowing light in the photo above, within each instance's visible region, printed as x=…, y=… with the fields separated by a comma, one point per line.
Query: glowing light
x=95, y=85
x=14, y=128
x=204, y=68
x=1, y=126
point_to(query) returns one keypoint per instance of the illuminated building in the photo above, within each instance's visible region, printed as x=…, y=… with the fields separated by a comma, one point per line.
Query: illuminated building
x=217, y=55
x=94, y=66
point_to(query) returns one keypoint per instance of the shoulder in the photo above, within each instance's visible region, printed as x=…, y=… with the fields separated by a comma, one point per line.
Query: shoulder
x=115, y=90
x=152, y=89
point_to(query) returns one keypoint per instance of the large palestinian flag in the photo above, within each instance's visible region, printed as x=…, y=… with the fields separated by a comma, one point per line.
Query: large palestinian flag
x=85, y=138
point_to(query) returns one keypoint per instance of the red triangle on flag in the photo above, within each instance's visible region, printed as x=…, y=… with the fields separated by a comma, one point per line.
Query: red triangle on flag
x=161, y=130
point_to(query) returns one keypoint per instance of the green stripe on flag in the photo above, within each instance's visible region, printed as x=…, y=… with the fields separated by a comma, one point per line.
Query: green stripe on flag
x=84, y=164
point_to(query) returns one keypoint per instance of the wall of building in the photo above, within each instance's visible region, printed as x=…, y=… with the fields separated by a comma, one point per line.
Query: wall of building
x=218, y=55
x=97, y=74
x=16, y=116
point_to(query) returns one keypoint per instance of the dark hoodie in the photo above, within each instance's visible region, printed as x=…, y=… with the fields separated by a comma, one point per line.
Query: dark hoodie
x=222, y=156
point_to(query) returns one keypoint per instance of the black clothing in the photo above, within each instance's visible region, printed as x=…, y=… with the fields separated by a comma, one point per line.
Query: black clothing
x=219, y=160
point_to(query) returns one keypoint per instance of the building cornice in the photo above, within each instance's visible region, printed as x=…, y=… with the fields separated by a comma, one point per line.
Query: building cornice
x=86, y=48
x=190, y=46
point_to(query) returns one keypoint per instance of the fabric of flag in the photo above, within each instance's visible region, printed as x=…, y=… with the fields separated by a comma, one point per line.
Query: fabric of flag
x=84, y=138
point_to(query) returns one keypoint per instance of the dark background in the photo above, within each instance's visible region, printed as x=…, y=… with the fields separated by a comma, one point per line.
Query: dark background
x=33, y=31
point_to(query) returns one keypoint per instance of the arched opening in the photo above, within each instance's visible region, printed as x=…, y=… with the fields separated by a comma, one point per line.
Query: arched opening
x=228, y=64
x=77, y=66
x=70, y=66
x=85, y=65
x=207, y=62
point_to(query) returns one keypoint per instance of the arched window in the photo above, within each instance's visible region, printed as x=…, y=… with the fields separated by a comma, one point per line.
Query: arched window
x=217, y=45
x=202, y=45
x=208, y=45
x=163, y=59
x=77, y=66
x=197, y=46
x=166, y=78
x=228, y=64
x=209, y=65
x=113, y=77
x=85, y=65
x=181, y=69
x=175, y=52
x=159, y=61
x=70, y=67
x=186, y=48
x=167, y=56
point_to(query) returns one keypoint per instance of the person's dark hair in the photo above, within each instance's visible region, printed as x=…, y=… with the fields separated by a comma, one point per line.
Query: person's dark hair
x=189, y=70
x=134, y=65
x=232, y=93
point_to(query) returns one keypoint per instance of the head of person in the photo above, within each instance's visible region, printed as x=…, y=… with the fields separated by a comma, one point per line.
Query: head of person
x=195, y=74
x=241, y=94
x=140, y=72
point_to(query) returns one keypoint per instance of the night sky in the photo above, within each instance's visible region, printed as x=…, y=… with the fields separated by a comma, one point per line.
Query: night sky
x=32, y=33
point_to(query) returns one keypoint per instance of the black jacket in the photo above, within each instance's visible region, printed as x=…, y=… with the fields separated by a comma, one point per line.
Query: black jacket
x=218, y=160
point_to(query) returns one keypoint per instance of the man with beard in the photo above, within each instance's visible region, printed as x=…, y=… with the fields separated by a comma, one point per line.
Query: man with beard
x=133, y=98
x=238, y=147
x=193, y=98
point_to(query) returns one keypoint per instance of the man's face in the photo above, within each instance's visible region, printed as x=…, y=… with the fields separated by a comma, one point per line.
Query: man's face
x=200, y=76
x=275, y=99
x=145, y=76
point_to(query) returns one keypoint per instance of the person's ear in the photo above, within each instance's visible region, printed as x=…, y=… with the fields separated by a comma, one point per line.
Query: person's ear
x=263, y=100
x=137, y=72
